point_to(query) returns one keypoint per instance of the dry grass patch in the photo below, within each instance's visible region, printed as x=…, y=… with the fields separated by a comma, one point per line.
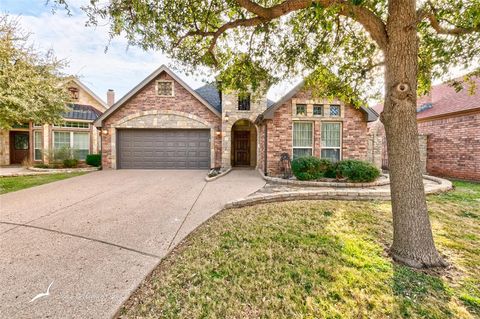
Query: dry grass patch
x=316, y=259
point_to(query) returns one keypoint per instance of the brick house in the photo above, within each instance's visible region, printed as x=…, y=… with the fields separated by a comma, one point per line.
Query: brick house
x=35, y=142
x=449, y=129
x=163, y=123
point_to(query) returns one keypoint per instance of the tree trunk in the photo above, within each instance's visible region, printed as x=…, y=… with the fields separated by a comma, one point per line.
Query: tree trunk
x=413, y=243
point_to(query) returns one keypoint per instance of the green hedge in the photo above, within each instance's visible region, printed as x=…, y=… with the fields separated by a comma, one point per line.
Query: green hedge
x=309, y=167
x=70, y=163
x=357, y=171
x=94, y=160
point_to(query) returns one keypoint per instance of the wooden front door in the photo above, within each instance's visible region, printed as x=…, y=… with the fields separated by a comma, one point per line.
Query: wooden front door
x=19, y=147
x=241, y=148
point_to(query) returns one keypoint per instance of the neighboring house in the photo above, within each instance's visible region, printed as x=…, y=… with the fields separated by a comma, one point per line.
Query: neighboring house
x=35, y=142
x=449, y=121
x=163, y=123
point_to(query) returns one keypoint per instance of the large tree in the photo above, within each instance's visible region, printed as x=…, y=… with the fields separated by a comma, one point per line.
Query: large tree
x=353, y=40
x=30, y=81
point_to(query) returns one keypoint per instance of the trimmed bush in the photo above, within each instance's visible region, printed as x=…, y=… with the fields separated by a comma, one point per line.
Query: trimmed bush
x=357, y=171
x=94, y=160
x=309, y=167
x=70, y=163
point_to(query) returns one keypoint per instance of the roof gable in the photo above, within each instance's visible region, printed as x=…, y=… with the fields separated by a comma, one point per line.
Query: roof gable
x=85, y=88
x=269, y=113
x=144, y=83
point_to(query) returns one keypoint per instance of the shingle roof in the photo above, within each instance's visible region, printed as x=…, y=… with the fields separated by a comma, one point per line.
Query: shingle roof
x=81, y=112
x=211, y=94
x=443, y=99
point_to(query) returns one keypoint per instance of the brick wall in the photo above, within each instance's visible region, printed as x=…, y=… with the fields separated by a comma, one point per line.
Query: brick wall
x=354, y=132
x=453, y=146
x=146, y=100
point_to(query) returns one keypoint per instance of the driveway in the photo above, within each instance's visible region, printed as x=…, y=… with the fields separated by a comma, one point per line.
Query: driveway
x=98, y=235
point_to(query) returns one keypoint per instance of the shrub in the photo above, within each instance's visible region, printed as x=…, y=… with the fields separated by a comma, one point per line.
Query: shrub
x=357, y=171
x=41, y=166
x=310, y=167
x=70, y=162
x=94, y=160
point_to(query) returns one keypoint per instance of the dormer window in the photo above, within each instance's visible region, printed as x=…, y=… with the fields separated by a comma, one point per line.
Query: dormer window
x=73, y=93
x=165, y=88
x=244, y=102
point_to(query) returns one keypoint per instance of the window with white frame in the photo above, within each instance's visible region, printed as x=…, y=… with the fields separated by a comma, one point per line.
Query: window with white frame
x=331, y=140
x=37, y=146
x=79, y=142
x=302, y=139
x=73, y=124
x=165, y=88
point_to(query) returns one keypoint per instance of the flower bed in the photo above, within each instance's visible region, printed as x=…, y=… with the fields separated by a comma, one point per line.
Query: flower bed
x=327, y=182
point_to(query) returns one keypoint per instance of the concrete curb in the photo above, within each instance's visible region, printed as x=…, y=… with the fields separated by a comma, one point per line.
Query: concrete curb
x=44, y=172
x=339, y=194
x=211, y=179
x=292, y=182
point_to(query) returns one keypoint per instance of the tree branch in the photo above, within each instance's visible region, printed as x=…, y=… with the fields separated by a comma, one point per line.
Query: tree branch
x=430, y=15
x=371, y=22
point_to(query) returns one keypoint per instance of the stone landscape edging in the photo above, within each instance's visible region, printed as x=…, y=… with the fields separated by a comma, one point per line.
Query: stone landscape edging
x=339, y=194
x=294, y=182
x=211, y=179
x=64, y=170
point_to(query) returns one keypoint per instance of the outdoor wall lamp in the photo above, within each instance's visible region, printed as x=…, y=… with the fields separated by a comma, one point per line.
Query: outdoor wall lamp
x=104, y=131
x=226, y=117
x=218, y=133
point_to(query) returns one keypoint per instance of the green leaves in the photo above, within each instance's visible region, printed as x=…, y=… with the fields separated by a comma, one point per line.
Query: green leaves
x=30, y=82
x=220, y=34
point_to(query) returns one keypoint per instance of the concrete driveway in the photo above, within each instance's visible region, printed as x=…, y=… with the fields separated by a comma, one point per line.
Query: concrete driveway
x=98, y=235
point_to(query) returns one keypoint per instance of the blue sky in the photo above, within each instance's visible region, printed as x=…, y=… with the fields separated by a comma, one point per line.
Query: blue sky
x=120, y=68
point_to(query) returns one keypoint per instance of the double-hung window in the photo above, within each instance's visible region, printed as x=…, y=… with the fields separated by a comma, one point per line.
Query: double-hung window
x=302, y=139
x=78, y=142
x=331, y=140
x=37, y=145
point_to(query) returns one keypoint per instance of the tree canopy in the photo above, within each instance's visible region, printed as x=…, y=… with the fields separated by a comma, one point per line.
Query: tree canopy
x=30, y=81
x=295, y=37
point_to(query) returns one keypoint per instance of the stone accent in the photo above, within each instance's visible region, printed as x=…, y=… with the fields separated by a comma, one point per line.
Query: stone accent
x=279, y=131
x=148, y=110
x=433, y=185
x=4, y=147
x=383, y=180
x=258, y=104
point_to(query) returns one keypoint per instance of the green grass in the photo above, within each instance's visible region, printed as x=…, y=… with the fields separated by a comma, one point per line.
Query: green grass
x=15, y=183
x=317, y=259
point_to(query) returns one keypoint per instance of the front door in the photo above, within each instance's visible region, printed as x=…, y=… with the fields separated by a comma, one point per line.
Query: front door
x=241, y=148
x=19, y=146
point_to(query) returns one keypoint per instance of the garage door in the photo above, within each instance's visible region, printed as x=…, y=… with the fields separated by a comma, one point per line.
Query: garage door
x=162, y=148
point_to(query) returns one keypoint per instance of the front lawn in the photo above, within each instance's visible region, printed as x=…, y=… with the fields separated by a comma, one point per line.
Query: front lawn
x=15, y=183
x=317, y=259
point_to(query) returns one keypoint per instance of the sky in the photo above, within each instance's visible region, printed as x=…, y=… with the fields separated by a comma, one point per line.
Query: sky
x=121, y=67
